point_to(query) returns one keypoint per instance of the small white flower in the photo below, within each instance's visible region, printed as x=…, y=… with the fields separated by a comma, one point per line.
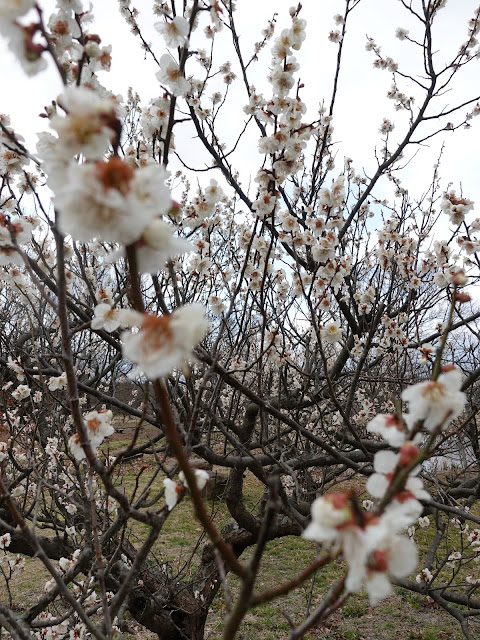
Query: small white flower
x=88, y=126
x=453, y=558
x=21, y=392
x=437, y=402
x=331, y=332
x=335, y=36
x=331, y=514
x=165, y=342
x=389, y=427
x=171, y=76
x=386, y=126
x=96, y=200
x=396, y=557
x=401, y=33
x=98, y=426
x=16, y=367
x=50, y=585
x=5, y=540
x=65, y=564
x=105, y=318
x=174, y=31
x=57, y=383
x=157, y=245
x=201, y=478
x=424, y=576
x=171, y=493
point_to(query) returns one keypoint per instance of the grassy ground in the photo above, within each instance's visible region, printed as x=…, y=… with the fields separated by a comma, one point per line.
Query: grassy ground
x=403, y=616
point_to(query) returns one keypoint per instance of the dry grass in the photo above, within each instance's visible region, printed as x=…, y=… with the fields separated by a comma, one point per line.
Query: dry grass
x=403, y=616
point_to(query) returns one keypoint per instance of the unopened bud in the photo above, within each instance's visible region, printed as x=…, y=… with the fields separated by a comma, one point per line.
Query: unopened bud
x=460, y=279
x=408, y=453
x=175, y=209
x=462, y=297
x=92, y=49
x=448, y=367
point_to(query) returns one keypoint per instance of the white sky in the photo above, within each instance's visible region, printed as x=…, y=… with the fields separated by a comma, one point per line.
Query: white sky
x=362, y=101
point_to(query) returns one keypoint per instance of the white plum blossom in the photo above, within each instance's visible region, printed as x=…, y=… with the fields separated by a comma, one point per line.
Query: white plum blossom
x=57, y=383
x=98, y=426
x=332, y=332
x=453, y=558
x=21, y=392
x=389, y=427
x=424, y=576
x=67, y=563
x=111, y=319
x=324, y=249
x=106, y=318
x=386, y=127
x=18, y=229
x=5, y=540
x=89, y=125
x=436, y=402
x=171, y=76
x=216, y=304
x=70, y=508
x=175, y=32
x=441, y=280
x=329, y=515
x=22, y=44
x=394, y=557
x=165, y=342
x=334, y=520
x=171, y=493
x=213, y=193
x=335, y=36
x=155, y=116
x=333, y=198
x=374, y=552
x=16, y=367
x=384, y=464
x=455, y=207
x=157, y=245
x=401, y=33
x=201, y=478
x=110, y=201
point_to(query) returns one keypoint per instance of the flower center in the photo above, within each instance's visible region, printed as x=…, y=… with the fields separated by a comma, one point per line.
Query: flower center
x=115, y=174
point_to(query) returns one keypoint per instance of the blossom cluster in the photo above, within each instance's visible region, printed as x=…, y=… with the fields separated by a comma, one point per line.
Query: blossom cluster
x=370, y=540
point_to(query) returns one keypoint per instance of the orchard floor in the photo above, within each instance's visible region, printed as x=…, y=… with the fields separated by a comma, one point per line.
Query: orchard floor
x=402, y=616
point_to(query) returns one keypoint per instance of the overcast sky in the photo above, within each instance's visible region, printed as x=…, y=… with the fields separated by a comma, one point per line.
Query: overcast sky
x=362, y=101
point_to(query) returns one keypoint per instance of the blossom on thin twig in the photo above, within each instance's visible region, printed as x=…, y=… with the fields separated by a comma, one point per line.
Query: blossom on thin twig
x=171, y=75
x=436, y=402
x=98, y=426
x=98, y=200
x=165, y=342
